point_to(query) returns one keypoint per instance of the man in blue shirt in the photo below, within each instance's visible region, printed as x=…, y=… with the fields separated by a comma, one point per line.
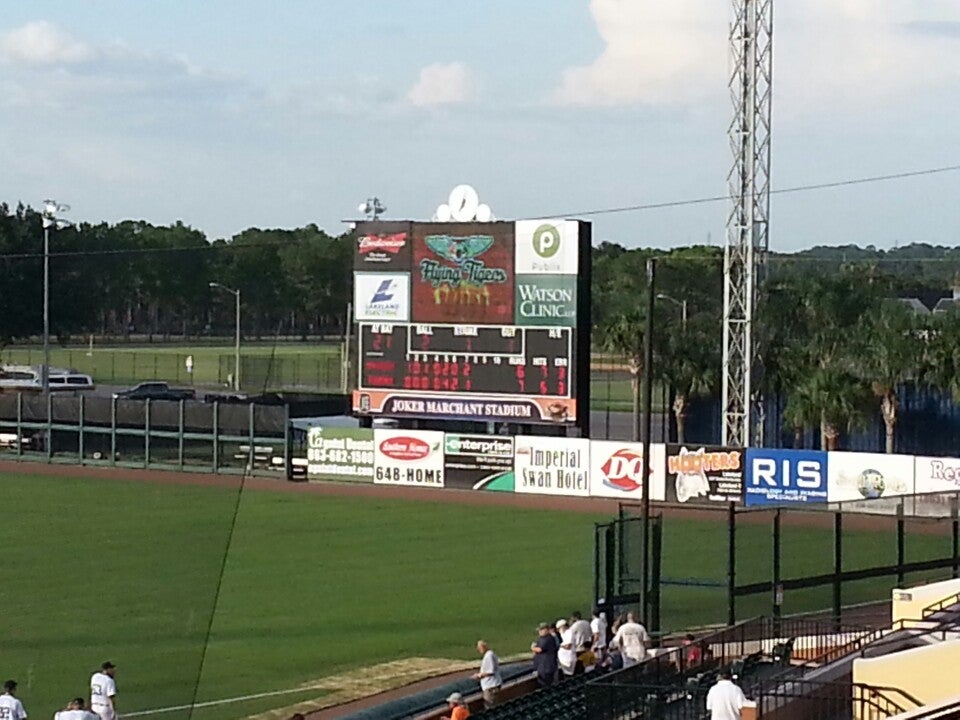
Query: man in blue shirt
x=545, y=656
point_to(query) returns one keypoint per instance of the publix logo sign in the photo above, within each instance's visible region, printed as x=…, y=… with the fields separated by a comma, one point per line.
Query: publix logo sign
x=546, y=240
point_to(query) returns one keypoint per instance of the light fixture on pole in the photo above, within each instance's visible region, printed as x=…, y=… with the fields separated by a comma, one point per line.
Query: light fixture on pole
x=236, y=346
x=682, y=304
x=372, y=208
x=51, y=208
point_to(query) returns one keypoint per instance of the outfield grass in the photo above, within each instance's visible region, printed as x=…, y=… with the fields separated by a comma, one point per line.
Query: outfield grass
x=101, y=569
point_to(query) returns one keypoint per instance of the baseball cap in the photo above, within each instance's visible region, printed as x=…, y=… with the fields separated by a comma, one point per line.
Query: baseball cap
x=543, y=626
x=107, y=665
x=455, y=698
x=561, y=623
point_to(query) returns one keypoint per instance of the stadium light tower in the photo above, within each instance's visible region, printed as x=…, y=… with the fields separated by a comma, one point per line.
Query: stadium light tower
x=51, y=208
x=751, y=48
x=236, y=344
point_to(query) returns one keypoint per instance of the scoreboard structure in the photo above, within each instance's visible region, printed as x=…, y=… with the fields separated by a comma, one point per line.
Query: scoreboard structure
x=478, y=321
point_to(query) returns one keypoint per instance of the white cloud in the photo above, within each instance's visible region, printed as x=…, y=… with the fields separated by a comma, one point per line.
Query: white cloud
x=839, y=50
x=41, y=43
x=443, y=84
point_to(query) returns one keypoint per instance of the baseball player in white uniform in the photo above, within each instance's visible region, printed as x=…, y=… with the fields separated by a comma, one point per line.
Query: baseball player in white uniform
x=10, y=707
x=75, y=710
x=103, y=692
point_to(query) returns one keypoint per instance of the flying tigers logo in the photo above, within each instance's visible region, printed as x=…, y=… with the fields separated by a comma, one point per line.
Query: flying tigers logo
x=463, y=252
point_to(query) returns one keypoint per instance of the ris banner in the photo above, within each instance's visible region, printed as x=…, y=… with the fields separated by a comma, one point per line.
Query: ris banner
x=785, y=477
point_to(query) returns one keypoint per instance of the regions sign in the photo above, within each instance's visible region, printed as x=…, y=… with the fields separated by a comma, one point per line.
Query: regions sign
x=936, y=475
x=868, y=476
x=547, y=247
x=340, y=454
x=408, y=457
x=383, y=246
x=478, y=462
x=463, y=273
x=616, y=470
x=546, y=300
x=703, y=473
x=552, y=466
x=784, y=477
x=381, y=297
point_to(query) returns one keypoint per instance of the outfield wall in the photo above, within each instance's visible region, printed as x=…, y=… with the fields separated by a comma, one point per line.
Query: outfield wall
x=686, y=474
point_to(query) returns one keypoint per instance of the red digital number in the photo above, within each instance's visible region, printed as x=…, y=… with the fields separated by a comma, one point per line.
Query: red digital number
x=468, y=386
x=377, y=342
x=561, y=388
x=469, y=344
x=466, y=369
x=453, y=384
x=544, y=372
x=424, y=342
x=561, y=373
x=521, y=372
x=436, y=369
x=436, y=383
x=543, y=387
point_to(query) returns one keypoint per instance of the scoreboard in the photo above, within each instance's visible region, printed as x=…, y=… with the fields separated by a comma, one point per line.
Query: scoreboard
x=452, y=324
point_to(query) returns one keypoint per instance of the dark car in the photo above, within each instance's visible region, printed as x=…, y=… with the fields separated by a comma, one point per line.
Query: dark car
x=155, y=391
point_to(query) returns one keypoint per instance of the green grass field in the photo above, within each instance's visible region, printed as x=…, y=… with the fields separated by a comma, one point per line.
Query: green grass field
x=106, y=569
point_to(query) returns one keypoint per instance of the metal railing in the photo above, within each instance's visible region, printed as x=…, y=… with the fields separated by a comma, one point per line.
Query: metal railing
x=829, y=700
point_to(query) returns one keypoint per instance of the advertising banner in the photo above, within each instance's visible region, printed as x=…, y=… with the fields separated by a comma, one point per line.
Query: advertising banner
x=552, y=466
x=546, y=300
x=408, y=457
x=616, y=470
x=383, y=246
x=784, y=477
x=478, y=462
x=868, y=476
x=381, y=297
x=547, y=247
x=463, y=273
x=470, y=407
x=340, y=454
x=936, y=475
x=704, y=473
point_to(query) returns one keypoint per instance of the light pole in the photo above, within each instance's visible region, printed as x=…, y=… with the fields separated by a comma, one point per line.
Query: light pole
x=682, y=304
x=236, y=346
x=50, y=219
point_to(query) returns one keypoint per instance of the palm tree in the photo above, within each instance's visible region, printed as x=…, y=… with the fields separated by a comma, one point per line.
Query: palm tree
x=892, y=353
x=688, y=363
x=624, y=336
x=942, y=368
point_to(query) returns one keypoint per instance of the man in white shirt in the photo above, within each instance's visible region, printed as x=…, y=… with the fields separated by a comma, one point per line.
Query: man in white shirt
x=567, y=653
x=598, y=627
x=10, y=707
x=725, y=699
x=631, y=639
x=103, y=692
x=75, y=711
x=489, y=675
x=582, y=634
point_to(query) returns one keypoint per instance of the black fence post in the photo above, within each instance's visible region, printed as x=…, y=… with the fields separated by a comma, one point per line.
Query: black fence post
x=49, y=427
x=20, y=428
x=80, y=450
x=216, y=436
x=288, y=444
x=837, y=566
x=180, y=428
x=251, y=454
x=596, y=564
x=777, y=590
x=901, y=526
x=146, y=434
x=731, y=563
x=656, y=547
x=609, y=557
x=955, y=524
x=113, y=431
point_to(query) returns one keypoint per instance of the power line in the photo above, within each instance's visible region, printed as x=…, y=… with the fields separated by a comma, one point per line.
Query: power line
x=584, y=213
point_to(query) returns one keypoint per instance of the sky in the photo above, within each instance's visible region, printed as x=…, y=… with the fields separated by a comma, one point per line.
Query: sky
x=230, y=115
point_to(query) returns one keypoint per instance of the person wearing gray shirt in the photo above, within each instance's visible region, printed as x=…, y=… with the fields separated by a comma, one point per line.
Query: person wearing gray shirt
x=489, y=675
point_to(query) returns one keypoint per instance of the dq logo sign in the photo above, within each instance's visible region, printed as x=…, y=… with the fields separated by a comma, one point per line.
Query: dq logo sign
x=624, y=471
x=405, y=448
x=777, y=477
x=546, y=240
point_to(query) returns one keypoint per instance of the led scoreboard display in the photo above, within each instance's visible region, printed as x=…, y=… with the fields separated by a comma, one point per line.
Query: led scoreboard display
x=475, y=321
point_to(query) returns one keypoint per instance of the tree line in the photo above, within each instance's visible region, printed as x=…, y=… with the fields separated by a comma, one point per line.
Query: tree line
x=836, y=340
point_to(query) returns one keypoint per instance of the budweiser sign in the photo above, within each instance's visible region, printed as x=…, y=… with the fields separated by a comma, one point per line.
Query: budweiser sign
x=391, y=244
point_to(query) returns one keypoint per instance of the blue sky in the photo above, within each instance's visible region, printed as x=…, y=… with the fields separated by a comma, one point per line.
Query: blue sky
x=228, y=115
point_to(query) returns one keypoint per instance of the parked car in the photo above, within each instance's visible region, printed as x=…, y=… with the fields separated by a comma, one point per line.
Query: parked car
x=156, y=391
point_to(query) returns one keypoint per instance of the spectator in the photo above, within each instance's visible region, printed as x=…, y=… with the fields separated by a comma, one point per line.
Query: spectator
x=582, y=634
x=725, y=699
x=545, y=656
x=458, y=708
x=631, y=639
x=567, y=654
x=103, y=692
x=692, y=651
x=75, y=710
x=598, y=626
x=489, y=675
x=10, y=707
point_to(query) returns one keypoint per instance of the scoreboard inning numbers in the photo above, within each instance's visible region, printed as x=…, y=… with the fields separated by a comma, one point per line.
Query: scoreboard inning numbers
x=470, y=321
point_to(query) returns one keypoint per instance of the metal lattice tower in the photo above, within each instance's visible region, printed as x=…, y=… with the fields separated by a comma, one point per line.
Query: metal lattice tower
x=751, y=47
